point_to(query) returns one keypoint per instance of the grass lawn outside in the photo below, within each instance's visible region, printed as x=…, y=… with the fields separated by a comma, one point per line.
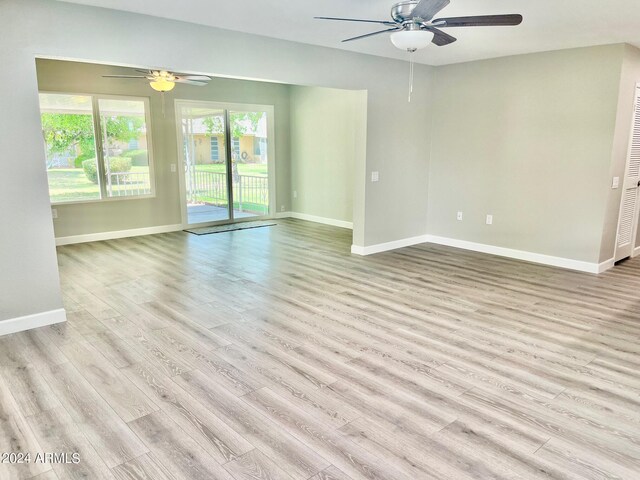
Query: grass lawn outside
x=257, y=169
x=253, y=201
x=72, y=185
x=250, y=207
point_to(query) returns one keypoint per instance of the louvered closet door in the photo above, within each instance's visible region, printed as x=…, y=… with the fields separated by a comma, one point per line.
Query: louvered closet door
x=629, y=211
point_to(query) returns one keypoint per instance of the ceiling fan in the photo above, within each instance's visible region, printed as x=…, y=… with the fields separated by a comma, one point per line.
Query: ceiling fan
x=414, y=27
x=165, y=81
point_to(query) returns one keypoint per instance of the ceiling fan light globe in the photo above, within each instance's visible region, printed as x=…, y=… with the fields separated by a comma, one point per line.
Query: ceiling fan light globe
x=411, y=40
x=162, y=85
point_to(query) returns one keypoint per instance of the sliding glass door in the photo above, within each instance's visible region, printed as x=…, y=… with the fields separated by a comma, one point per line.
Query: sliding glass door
x=226, y=157
x=250, y=163
x=205, y=164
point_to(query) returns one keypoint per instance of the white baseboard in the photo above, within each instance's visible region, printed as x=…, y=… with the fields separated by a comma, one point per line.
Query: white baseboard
x=489, y=249
x=636, y=251
x=561, y=262
x=604, y=266
x=385, y=247
x=312, y=218
x=136, y=232
x=28, y=322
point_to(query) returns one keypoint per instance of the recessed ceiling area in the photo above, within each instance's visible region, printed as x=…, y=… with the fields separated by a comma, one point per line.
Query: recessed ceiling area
x=548, y=24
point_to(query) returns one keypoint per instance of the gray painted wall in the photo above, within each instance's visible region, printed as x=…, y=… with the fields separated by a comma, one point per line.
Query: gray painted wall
x=164, y=209
x=398, y=149
x=529, y=140
x=29, y=279
x=324, y=133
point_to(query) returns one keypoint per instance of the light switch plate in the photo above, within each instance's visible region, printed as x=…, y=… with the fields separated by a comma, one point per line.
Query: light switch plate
x=615, y=183
x=459, y=217
x=489, y=219
x=375, y=176
x=54, y=212
x=174, y=169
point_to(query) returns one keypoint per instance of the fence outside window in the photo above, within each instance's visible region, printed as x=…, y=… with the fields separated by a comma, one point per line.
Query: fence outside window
x=251, y=191
x=123, y=184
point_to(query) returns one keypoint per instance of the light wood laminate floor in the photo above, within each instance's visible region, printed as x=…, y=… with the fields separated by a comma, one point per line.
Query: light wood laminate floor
x=275, y=354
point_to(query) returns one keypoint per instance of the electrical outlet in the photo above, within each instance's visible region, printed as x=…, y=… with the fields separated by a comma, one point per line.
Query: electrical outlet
x=282, y=208
x=174, y=168
x=295, y=194
x=489, y=219
x=375, y=176
x=459, y=216
x=54, y=212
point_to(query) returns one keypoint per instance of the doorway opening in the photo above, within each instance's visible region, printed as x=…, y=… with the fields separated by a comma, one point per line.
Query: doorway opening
x=226, y=153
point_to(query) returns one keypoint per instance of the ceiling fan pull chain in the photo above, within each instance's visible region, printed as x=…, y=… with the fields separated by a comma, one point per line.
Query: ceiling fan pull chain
x=411, y=70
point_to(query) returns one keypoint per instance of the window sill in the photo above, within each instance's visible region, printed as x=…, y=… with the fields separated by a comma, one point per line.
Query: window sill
x=104, y=200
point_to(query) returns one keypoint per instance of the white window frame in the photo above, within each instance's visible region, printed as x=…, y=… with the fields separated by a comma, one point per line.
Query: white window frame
x=99, y=150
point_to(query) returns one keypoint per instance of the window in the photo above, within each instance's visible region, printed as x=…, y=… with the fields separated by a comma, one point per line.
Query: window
x=96, y=147
x=215, y=149
x=259, y=146
x=236, y=147
x=67, y=126
x=120, y=122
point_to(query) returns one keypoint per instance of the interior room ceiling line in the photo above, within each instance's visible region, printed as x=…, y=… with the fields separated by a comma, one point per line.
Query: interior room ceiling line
x=549, y=25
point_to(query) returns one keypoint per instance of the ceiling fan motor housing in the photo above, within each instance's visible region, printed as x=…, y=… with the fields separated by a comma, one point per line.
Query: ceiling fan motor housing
x=401, y=12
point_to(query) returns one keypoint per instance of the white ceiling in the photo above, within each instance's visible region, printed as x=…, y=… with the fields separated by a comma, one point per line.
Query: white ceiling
x=548, y=24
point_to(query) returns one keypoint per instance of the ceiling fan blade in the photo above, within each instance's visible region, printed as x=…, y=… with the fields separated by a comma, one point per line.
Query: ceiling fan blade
x=123, y=76
x=381, y=22
x=441, y=38
x=427, y=9
x=370, y=34
x=191, y=82
x=146, y=72
x=198, y=78
x=479, y=21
